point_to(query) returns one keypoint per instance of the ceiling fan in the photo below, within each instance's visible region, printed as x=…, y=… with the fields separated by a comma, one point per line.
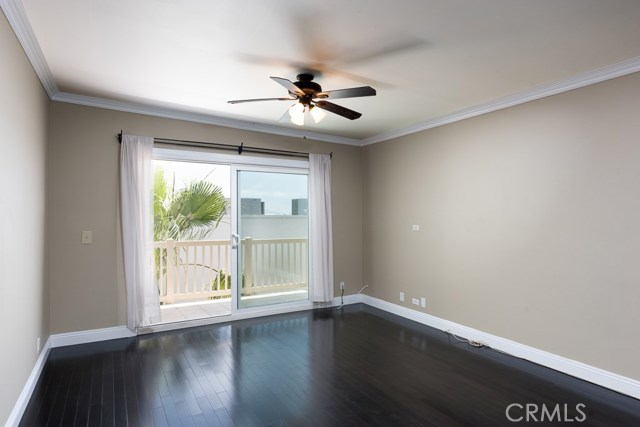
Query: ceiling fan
x=310, y=95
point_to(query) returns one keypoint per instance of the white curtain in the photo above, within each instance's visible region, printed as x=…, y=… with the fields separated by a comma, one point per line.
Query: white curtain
x=136, y=188
x=320, y=228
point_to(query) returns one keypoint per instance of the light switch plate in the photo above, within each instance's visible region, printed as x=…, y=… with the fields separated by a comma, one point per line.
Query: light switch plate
x=87, y=237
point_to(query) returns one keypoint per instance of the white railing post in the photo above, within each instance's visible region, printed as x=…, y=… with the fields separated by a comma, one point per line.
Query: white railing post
x=248, y=263
x=171, y=264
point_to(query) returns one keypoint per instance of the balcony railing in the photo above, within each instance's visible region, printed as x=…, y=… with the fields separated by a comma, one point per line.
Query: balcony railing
x=201, y=270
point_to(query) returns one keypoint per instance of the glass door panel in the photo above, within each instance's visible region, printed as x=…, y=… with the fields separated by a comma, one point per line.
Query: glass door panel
x=192, y=248
x=272, y=238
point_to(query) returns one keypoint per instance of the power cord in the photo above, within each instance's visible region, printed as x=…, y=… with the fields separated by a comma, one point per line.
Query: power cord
x=472, y=343
x=341, y=300
x=479, y=344
x=342, y=296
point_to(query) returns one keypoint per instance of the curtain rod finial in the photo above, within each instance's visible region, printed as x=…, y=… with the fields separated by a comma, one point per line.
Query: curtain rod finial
x=120, y=137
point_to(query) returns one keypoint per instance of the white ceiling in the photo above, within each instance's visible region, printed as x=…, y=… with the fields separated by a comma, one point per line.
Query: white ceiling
x=431, y=61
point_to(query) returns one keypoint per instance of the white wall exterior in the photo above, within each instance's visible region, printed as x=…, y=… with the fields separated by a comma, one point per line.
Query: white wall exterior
x=264, y=227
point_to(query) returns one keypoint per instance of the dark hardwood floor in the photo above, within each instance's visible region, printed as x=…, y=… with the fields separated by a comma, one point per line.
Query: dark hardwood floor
x=356, y=367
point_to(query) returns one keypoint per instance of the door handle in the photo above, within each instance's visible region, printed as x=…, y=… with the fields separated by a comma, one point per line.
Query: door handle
x=235, y=241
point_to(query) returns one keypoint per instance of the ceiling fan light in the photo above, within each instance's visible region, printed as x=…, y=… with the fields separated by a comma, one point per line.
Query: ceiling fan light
x=296, y=112
x=318, y=114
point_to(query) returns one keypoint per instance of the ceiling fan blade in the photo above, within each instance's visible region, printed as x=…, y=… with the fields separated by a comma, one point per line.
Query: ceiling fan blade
x=348, y=93
x=337, y=109
x=288, y=84
x=238, y=101
x=383, y=48
x=315, y=67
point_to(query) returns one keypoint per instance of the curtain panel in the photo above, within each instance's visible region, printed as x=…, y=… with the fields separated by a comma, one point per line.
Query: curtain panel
x=320, y=228
x=136, y=204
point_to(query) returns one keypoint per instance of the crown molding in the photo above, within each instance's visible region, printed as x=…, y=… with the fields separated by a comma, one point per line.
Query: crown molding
x=580, y=80
x=176, y=114
x=575, y=82
x=17, y=17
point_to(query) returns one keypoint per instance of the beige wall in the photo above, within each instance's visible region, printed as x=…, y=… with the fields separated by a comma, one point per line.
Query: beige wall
x=87, y=290
x=529, y=218
x=24, y=299
x=530, y=223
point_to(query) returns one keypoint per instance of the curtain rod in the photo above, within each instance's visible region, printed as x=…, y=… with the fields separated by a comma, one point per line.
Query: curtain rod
x=238, y=148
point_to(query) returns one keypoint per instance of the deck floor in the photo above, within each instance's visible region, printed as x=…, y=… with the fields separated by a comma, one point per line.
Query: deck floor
x=182, y=312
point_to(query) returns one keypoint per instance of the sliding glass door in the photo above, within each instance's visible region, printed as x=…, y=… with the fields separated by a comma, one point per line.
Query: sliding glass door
x=271, y=236
x=230, y=233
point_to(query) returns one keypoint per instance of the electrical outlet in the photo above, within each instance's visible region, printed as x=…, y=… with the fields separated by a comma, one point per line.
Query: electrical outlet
x=415, y=301
x=401, y=296
x=423, y=302
x=342, y=286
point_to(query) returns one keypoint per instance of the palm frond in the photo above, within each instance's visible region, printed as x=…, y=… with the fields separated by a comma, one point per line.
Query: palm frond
x=187, y=214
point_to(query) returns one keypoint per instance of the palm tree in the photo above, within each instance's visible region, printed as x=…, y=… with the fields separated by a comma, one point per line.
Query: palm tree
x=187, y=214
x=190, y=213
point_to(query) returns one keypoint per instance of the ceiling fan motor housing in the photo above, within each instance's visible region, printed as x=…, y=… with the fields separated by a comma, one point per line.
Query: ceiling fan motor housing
x=309, y=87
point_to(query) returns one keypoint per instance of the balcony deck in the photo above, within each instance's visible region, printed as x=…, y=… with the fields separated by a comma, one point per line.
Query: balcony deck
x=182, y=312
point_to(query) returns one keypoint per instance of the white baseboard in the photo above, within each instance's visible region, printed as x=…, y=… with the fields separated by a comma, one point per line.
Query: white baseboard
x=30, y=385
x=93, y=335
x=248, y=314
x=574, y=368
x=346, y=300
x=59, y=340
x=598, y=376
